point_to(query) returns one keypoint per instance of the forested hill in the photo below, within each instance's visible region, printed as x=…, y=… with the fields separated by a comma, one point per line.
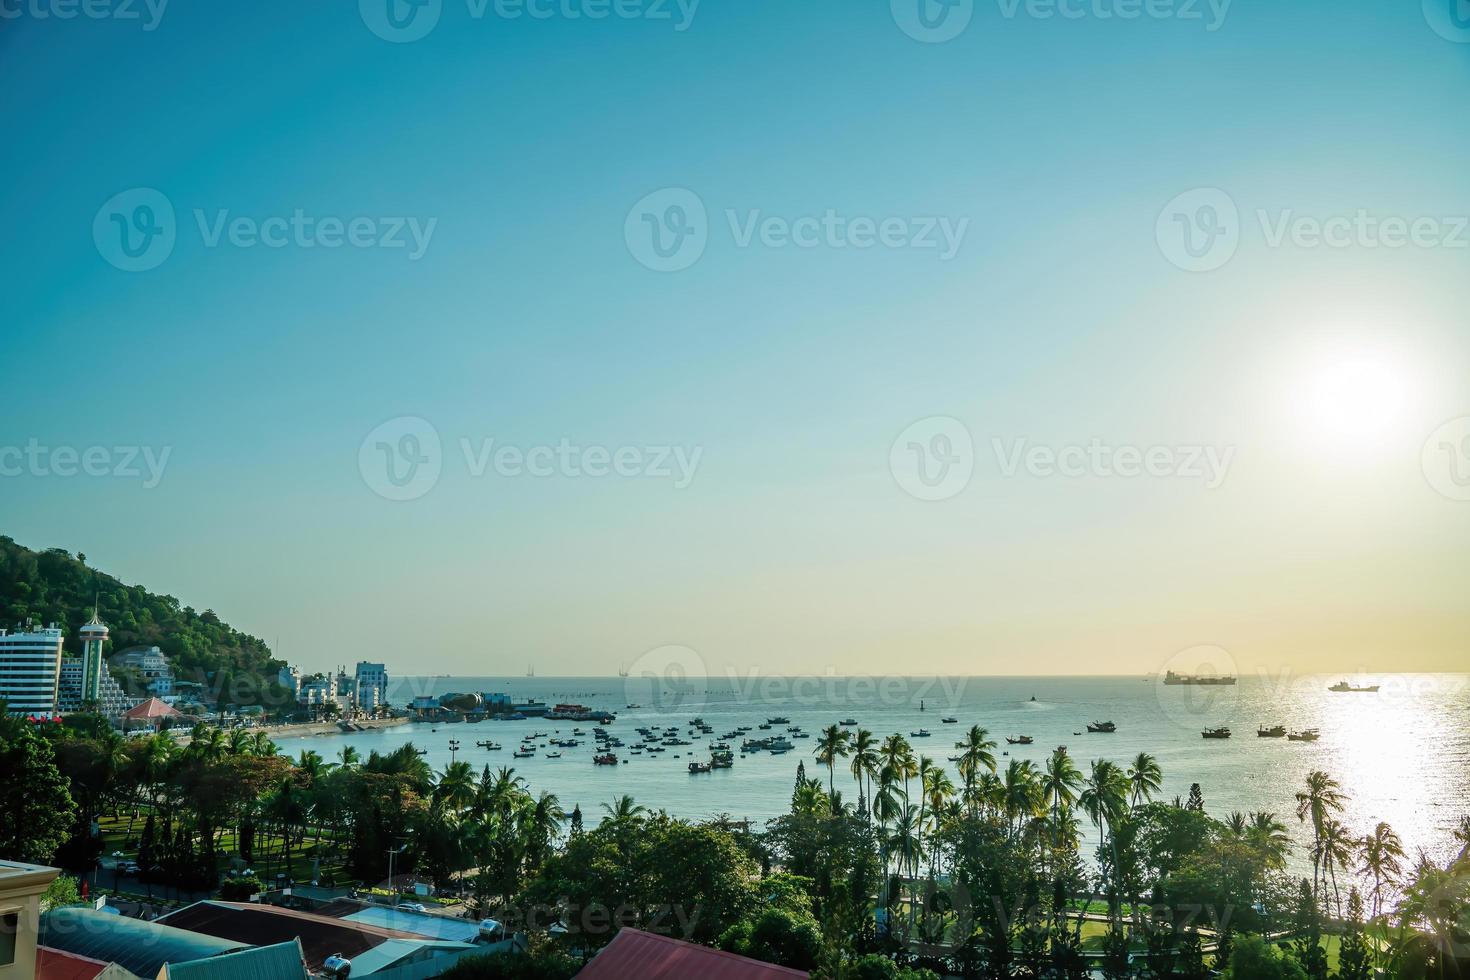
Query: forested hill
x=55, y=586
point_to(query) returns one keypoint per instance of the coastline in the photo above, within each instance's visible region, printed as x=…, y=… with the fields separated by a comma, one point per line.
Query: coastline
x=310, y=728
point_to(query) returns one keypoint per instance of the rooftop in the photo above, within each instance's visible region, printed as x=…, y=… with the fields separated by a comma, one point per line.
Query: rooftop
x=637, y=955
x=264, y=925
x=140, y=947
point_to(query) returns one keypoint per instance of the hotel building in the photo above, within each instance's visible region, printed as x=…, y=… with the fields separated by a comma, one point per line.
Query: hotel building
x=30, y=670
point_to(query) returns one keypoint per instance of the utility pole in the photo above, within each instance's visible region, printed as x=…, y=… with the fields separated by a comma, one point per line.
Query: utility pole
x=391, y=886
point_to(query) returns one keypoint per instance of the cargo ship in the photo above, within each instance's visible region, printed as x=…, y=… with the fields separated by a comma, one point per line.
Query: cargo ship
x=1206, y=680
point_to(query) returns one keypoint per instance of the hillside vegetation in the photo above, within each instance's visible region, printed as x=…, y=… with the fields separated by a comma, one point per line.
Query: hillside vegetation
x=55, y=586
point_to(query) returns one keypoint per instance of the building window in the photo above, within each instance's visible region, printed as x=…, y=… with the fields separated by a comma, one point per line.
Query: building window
x=9, y=925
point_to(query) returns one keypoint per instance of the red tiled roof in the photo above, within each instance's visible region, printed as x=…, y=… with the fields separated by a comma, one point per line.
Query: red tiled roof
x=152, y=708
x=53, y=964
x=637, y=955
x=267, y=925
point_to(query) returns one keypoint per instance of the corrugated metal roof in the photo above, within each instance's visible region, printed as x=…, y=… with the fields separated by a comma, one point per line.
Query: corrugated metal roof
x=55, y=964
x=637, y=955
x=392, y=951
x=419, y=923
x=279, y=962
x=264, y=925
x=138, y=946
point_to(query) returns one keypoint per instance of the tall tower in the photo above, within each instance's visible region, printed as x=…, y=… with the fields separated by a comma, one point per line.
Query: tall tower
x=94, y=635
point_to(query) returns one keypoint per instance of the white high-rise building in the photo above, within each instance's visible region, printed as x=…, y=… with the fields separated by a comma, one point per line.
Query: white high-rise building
x=30, y=669
x=372, y=685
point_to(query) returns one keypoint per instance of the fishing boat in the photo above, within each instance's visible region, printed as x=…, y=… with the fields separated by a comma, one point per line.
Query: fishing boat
x=778, y=720
x=1343, y=687
x=698, y=767
x=553, y=755
x=921, y=733
x=1305, y=735
x=1275, y=731
x=1019, y=739
x=1215, y=733
x=524, y=755
x=848, y=722
x=950, y=721
x=1102, y=727
x=605, y=760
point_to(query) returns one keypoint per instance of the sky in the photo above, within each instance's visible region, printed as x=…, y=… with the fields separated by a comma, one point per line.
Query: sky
x=1003, y=337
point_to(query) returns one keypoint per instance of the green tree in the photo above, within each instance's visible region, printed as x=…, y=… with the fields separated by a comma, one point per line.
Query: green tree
x=1354, y=959
x=1255, y=959
x=36, y=808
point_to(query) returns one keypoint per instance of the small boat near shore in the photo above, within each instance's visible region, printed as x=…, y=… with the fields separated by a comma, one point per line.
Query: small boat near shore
x=1019, y=739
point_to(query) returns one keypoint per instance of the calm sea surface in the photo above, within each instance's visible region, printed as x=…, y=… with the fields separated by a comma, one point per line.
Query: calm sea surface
x=1402, y=755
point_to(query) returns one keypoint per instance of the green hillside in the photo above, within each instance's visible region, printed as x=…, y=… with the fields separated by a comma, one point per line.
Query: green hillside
x=56, y=586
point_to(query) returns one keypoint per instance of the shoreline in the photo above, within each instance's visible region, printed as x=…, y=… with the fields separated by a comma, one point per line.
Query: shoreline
x=304, y=729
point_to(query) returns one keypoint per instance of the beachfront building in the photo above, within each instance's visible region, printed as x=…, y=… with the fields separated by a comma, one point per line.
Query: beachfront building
x=30, y=669
x=107, y=696
x=152, y=666
x=372, y=685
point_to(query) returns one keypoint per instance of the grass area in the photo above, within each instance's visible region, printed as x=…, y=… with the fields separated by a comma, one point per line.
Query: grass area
x=268, y=852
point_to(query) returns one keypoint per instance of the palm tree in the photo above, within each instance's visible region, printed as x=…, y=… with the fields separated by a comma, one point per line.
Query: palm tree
x=865, y=763
x=261, y=744
x=1336, y=847
x=1021, y=792
x=1381, y=857
x=977, y=754
x=1237, y=824
x=238, y=742
x=832, y=745
x=348, y=757
x=624, y=810
x=543, y=826
x=1270, y=837
x=1145, y=778
x=1104, y=799
x=456, y=786
x=1321, y=799
x=937, y=789
x=1059, y=782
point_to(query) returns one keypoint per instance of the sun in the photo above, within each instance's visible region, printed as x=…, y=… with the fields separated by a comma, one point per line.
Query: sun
x=1357, y=398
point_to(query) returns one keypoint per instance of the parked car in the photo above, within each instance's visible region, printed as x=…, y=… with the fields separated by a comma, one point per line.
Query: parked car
x=411, y=907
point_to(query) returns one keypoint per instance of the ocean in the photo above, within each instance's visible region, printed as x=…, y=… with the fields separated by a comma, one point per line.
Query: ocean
x=1402, y=754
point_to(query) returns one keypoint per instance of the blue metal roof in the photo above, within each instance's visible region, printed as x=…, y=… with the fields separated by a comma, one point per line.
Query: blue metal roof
x=137, y=946
x=419, y=923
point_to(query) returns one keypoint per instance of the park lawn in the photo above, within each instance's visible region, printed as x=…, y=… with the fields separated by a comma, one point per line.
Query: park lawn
x=268, y=851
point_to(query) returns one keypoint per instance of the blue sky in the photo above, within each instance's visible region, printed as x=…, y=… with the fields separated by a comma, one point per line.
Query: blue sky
x=528, y=319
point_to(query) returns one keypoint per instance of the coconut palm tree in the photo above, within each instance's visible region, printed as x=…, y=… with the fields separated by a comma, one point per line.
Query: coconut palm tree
x=1104, y=799
x=832, y=745
x=1059, y=781
x=456, y=786
x=1021, y=792
x=261, y=744
x=237, y=742
x=543, y=823
x=624, y=810
x=938, y=790
x=1269, y=836
x=977, y=755
x=1338, y=847
x=1322, y=798
x=1381, y=854
x=1145, y=779
x=865, y=764
x=1236, y=823
x=348, y=757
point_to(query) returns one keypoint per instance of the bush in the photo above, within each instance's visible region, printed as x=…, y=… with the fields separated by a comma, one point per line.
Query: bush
x=1255, y=959
x=240, y=889
x=542, y=965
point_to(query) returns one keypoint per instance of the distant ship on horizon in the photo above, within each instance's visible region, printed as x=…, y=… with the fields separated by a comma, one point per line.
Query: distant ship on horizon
x=1205, y=679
